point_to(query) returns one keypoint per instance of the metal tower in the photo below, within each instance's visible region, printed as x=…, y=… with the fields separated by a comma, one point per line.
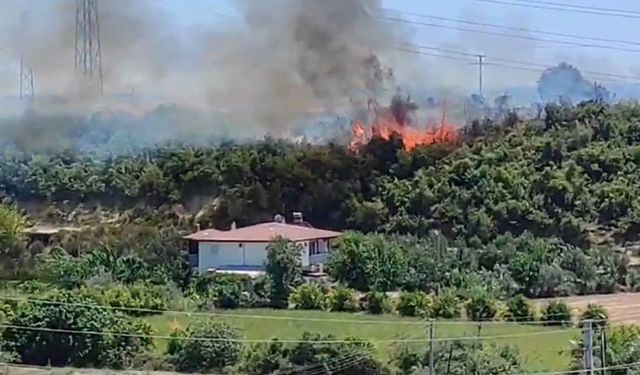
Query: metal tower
x=88, y=47
x=26, y=81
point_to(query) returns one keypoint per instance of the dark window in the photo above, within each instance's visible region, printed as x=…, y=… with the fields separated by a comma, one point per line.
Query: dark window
x=193, y=247
x=313, y=248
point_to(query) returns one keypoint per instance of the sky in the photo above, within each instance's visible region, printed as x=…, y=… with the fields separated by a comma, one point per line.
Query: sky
x=194, y=16
x=206, y=13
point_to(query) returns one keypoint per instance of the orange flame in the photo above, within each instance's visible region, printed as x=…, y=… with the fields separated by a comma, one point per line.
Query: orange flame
x=385, y=125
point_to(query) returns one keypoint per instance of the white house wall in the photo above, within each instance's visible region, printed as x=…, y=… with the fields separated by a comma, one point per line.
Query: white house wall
x=255, y=254
x=229, y=255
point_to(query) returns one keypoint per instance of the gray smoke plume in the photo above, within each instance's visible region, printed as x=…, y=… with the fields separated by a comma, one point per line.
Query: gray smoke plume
x=295, y=56
x=281, y=61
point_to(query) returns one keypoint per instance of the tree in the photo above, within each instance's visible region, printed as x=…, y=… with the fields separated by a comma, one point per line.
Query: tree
x=284, y=270
x=12, y=238
x=566, y=81
x=209, y=345
x=55, y=343
x=461, y=358
x=368, y=262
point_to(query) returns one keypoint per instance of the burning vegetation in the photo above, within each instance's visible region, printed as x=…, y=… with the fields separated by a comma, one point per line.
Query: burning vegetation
x=399, y=118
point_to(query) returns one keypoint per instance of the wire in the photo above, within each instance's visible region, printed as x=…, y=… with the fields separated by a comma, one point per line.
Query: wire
x=509, y=66
x=519, y=29
x=578, y=6
x=513, y=36
x=585, y=371
x=269, y=317
x=546, y=66
x=564, y=8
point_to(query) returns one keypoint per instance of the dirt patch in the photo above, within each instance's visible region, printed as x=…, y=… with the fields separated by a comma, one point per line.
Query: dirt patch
x=622, y=307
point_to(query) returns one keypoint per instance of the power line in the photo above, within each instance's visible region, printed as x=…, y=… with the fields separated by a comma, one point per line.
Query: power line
x=519, y=29
x=506, y=66
x=546, y=66
x=264, y=317
x=578, y=6
x=562, y=9
x=286, y=341
x=512, y=36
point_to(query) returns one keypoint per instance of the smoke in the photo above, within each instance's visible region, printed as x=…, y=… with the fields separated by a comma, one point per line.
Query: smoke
x=281, y=61
x=296, y=56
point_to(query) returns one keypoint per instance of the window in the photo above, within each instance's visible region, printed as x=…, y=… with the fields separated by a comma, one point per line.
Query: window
x=313, y=248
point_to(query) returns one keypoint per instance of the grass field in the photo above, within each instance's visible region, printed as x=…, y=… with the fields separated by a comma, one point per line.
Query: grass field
x=542, y=348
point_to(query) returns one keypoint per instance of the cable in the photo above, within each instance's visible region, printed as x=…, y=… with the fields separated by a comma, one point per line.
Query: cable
x=508, y=66
x=519, y=29
x=260, y=317
x=546, y=66
x=570, y=10
x=513, y=36
x=607, y=368
x=578, y=6
x=188, y=338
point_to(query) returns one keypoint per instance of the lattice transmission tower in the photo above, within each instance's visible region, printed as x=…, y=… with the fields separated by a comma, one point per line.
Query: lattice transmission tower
x=88, y=45
x=26, y=81
x=26, y=73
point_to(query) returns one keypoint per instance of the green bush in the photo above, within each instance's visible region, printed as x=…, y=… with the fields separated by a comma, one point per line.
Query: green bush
x=71, y=311
x=135, y=299
x=266, y=358
x=224, y=348
x=307, y=296
x=481, y=306
x=446, y=305
x=225, y=291
x=597, y=313
x=519, y=309
x=415, y=304
x=342, y=299
x=378, y=303
x=556, y=313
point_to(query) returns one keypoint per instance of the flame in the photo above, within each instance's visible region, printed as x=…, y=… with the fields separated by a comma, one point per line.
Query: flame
x=385, y=124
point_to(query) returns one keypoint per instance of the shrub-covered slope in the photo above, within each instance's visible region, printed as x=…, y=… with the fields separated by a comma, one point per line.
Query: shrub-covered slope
x=571, y=175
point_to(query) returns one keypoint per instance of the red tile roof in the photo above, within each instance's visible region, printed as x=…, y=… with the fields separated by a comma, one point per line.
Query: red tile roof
x=265, y=232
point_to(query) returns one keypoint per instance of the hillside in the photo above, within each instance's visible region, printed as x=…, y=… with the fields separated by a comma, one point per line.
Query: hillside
x=573, y=175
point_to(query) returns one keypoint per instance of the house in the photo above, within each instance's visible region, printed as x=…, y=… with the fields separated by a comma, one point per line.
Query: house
x=245, y=249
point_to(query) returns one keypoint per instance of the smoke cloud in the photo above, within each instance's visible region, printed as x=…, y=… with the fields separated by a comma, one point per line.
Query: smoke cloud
x=282, y=60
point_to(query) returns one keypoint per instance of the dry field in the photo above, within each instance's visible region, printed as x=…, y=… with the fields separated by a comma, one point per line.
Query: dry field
x=623, y=308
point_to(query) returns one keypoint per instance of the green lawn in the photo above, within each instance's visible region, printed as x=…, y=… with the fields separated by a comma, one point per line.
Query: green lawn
x=546, y=351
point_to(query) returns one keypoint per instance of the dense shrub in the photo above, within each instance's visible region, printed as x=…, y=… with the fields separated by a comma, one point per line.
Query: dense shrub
x=73, y=312
x=136, y=299
x=556, y=313
x=519, y=309
x=368, y=262
x=308, y=296
x=197, y=355
x=463, y=357
x=415, y=304
x=284, y=270
x=225, y=291
x=597, y=313
x=342, y=299
x=446, y=305
x=481, y=306
x=378, y=303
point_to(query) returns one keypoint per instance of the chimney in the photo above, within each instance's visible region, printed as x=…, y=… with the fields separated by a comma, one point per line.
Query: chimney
x=197, y=227
x=233, y=225
x=298, y=219
x=279, y=219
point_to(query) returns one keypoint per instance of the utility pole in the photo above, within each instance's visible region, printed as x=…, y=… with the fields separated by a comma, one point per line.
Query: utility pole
x=587, y=334
x=603, y=351
x=26, y=81
x=88, y=47
x=432, y=370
